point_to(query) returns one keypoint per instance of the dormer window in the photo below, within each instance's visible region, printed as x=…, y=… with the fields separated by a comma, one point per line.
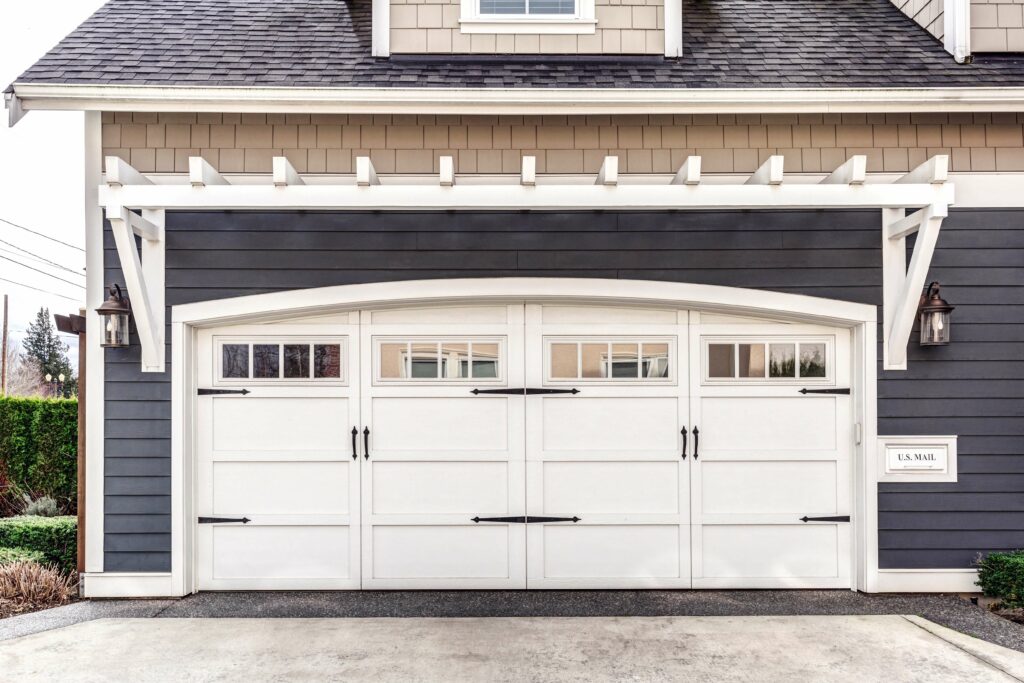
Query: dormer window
x=520, y=8
x=528, y=16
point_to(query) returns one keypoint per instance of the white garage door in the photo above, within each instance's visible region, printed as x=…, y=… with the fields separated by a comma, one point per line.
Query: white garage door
x=277, y=481
x=524, y=446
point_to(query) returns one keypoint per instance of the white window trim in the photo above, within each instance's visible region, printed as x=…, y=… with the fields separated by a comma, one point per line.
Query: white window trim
x=583, y=22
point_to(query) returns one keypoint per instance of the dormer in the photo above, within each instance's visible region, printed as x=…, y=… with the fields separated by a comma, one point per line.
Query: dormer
x=527, y=27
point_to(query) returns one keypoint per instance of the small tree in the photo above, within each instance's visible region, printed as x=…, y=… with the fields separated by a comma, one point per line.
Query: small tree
x=49, y=353
x=23, y=375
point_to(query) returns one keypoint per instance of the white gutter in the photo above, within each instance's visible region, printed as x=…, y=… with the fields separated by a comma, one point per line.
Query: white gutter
x=511, y=100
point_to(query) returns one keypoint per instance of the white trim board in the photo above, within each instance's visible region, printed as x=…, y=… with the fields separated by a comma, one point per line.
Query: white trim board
x=130, y=585
x=927, y=581
x=145, y=98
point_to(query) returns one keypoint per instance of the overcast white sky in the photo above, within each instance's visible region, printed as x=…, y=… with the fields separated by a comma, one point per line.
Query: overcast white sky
x=40, y=170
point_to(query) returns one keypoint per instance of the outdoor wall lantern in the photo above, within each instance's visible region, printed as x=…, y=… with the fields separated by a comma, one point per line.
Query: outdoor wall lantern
x=115, y=311
x=934, y=312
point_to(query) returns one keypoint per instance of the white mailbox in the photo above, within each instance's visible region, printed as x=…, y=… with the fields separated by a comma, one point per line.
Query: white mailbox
x=917, y=458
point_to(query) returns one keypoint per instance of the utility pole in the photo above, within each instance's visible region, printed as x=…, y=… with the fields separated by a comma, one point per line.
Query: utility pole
x=3, y=358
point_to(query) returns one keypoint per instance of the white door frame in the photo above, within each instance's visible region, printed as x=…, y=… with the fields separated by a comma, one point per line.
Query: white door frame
x=186, y=319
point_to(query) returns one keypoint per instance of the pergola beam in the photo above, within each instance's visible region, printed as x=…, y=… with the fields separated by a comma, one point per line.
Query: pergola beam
x=446, y=165
x=852, y=172
x=119, y=173
x=201, y=173
x=609, y=172
x=769, y=173
x=284, y=173
x=528, y=172
x=688, y=173
x=935, y=170
x=366, y=174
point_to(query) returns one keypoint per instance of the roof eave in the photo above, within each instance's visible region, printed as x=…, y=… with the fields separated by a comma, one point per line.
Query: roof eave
x=430, y=100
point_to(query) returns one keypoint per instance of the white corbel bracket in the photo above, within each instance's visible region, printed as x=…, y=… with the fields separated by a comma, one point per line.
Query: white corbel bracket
x=902, y=285
x=143, y=276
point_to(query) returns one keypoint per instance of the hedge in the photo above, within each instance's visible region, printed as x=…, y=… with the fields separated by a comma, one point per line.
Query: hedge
x=38, y=452
x=55, y=537
x=1001, y=575
x=9, y=555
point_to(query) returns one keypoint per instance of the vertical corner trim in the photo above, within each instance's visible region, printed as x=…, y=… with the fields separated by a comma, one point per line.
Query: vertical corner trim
x=381, y=31
x=673, y=28
x=957, y=29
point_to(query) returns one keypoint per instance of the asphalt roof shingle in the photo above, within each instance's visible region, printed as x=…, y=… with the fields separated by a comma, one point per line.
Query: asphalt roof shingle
x=326, y=43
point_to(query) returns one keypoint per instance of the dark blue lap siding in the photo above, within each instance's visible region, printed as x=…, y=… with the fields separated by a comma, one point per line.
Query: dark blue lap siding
x=974, y=387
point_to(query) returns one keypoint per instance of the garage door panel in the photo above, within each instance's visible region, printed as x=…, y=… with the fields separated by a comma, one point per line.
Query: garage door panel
x=770, y=551
x=284, y=425
x=767, y=424
x=280, y=552
x=610, y=424
x=440, y=487
x=441, y=552
x=440, y=424
x=611, y=487
x=740, y=487
x=270, y=488
x=611, y=551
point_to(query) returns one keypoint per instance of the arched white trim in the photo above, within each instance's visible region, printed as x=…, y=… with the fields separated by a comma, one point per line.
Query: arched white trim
x=752, y=302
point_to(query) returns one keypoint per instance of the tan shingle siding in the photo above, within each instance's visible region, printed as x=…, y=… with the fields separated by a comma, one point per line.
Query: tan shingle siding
x=564, y=144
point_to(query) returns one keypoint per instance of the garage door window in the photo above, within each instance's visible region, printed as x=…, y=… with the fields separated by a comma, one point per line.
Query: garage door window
x=642, y=360
x=281, y=361
x=776, y=360
x=439, y=360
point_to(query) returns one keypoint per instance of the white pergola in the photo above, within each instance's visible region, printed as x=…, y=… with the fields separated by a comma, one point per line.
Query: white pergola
x=916, y=202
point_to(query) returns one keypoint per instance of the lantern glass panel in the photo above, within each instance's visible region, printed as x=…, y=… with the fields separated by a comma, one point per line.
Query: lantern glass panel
x=115, y=330
x=934, y=328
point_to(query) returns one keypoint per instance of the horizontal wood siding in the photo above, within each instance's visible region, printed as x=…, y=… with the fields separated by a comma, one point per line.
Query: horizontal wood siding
x=974, y=387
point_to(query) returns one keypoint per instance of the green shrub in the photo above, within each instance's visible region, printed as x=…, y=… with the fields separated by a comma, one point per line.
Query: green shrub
x=9, y=555
x=55, y=537
x=38, y=452
x=1001, y=575
x=42, y=507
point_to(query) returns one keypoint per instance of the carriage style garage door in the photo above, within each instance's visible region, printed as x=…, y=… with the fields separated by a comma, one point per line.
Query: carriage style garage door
x=523, y=446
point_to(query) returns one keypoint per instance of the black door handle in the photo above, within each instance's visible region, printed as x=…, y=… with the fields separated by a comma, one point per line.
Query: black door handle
x=526, y=391
x=839, y=518
x=355, y=448
x=684, y=442
x=696, y=443
x=366, y=443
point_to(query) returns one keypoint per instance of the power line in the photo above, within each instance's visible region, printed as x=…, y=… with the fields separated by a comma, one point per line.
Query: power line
x=20, y=284
x=23, y=265
x=35, y=257
x=34, y=232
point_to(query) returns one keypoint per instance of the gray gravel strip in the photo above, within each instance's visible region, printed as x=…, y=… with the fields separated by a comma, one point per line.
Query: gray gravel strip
x=948, y=610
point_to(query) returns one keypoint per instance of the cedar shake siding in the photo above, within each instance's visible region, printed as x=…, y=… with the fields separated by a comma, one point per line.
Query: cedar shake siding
x=811, y=143
x=974, y=387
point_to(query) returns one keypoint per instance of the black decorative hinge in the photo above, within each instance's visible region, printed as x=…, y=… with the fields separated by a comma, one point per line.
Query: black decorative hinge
x=841, y=518
x=525, y=519
x=219, y=392
x=525, y=392
x=825, y=391
x=223, y=520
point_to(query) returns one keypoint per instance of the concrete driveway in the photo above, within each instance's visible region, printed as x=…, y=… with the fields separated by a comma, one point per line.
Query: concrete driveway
x=755, y=648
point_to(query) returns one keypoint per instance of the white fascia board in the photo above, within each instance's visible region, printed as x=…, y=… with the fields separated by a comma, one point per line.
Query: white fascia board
x=514, y=100
x=514, y=197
